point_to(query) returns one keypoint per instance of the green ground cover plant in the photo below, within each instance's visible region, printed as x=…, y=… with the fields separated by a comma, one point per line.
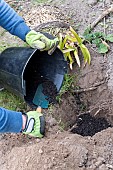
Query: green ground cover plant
x=99, y=39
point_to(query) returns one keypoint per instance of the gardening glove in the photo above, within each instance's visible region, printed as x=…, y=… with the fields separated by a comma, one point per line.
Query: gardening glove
x=41, y=42
x=35, y=124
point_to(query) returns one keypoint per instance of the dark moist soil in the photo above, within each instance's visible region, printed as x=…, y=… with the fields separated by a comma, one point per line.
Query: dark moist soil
x=50, y=90
x=88, y=125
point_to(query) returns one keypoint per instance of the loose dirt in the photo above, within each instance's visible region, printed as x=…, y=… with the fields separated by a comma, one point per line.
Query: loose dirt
x=87, y=125
x=60, y=149
x=50, y=90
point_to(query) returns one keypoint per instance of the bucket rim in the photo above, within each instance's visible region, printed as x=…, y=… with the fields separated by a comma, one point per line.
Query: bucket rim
x=22, y=75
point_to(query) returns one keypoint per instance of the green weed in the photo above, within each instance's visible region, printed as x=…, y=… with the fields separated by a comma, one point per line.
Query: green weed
x=100, y=39
x=61, y=126
x=67, y=85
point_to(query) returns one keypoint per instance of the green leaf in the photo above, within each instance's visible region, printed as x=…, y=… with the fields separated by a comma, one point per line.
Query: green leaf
x=98, y=34
x=70, y=60
x=68, y=57
x=70, y=47
x=72, y=39
x=94, y=36
x=76, y=35
x=102, y=48
x=96, y=41
x=87, y=31
x=109, y=37
x=64, y=41
x=77, y=58
x=88, y=37
x=86, y=53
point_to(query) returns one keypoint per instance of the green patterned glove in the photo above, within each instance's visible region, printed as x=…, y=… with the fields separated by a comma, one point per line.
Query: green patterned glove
x=35, y=124
x=41, y=42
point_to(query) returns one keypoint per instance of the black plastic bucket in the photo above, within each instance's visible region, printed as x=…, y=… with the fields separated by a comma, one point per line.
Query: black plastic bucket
x=23, y=68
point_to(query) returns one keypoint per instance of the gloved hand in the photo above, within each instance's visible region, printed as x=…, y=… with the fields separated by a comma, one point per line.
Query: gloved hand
x=35, y=124
x=41, y=42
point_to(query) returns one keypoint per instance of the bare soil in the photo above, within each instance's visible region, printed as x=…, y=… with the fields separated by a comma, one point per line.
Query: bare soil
x=60, y=149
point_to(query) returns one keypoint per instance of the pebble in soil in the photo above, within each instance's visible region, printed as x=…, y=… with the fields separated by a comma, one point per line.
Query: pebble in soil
x=88, y=125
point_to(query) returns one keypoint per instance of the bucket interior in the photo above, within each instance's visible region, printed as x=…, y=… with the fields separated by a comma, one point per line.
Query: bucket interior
x=40, y=68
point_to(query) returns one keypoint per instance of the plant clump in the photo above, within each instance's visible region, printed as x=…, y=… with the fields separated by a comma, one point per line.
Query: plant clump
x=69, y=45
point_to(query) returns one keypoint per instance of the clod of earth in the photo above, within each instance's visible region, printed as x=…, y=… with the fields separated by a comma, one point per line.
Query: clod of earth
x=88, y=125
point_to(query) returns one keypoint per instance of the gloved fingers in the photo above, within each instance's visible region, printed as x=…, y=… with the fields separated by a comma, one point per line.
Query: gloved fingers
x=49, y=42
x=38, y=44
x=51, y=45
x=33, y=35
x=41, y=42
x=51, y=51
x=33, y=39
x=46, y=41
x=35, y=124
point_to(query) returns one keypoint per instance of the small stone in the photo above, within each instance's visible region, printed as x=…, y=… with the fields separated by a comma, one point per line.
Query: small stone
x=92, y=2
x=103, y=167
x=40, y=151
x=38, y=140
x=1, y=136
x=109, y=166
x=108, y=2
x=27, y=160
x=52, y=122
x=99, y=162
